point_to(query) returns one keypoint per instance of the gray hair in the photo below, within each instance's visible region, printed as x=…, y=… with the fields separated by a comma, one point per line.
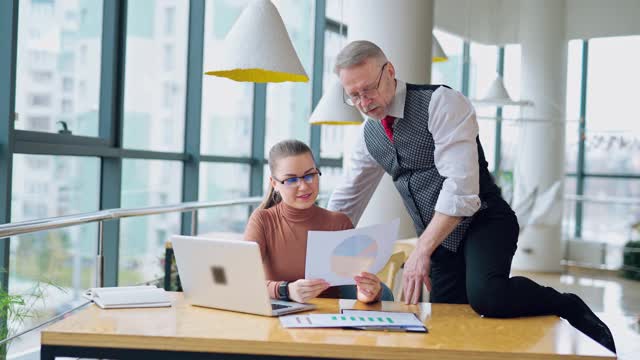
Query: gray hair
x=357, y=52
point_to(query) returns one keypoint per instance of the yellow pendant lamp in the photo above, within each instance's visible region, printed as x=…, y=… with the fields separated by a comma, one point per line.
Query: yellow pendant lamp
x=437, y=53
x=258, y=48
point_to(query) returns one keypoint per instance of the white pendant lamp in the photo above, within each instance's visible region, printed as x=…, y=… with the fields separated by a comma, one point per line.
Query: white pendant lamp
x=258, y=48
x=331, y=109
x=497, y=95
x=437, y=52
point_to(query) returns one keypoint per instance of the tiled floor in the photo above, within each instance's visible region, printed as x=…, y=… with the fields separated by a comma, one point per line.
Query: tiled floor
x=616, y=300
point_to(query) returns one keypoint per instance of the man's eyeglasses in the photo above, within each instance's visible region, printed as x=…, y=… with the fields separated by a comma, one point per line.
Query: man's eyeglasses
x=366, y=93
x=295, y=181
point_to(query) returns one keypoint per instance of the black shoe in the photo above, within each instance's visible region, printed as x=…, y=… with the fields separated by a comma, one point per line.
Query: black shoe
x=582, y=318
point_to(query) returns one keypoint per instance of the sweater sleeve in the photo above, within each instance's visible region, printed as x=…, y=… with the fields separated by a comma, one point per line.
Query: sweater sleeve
x=256, y=231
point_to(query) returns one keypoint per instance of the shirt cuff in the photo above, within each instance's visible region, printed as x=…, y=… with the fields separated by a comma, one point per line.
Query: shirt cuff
x=457, y=205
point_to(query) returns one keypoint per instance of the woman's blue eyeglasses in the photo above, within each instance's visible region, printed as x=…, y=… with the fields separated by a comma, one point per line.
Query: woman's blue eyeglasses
x=295, y=181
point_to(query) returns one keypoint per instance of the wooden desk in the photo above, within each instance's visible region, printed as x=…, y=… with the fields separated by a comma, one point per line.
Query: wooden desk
x=185, y=331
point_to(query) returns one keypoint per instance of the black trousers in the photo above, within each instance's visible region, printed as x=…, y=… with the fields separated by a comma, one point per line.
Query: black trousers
x=478, y=273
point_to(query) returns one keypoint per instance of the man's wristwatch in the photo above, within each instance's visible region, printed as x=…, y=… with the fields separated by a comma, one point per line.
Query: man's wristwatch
x=283, y=290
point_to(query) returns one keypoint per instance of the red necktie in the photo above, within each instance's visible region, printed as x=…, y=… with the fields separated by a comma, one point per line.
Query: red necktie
x=387, y=124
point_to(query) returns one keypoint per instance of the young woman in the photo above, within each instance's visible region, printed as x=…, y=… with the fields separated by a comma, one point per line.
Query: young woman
x=281, y=223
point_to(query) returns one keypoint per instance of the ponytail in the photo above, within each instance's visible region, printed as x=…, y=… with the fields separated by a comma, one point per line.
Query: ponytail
x=272, y=198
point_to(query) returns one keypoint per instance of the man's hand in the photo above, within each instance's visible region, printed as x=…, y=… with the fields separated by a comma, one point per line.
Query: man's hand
x=416, y=272
x=304, y=290
x=368, y=287
x=418, y=266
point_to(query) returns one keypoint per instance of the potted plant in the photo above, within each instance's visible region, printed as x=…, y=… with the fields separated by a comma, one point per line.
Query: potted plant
x=15, y=310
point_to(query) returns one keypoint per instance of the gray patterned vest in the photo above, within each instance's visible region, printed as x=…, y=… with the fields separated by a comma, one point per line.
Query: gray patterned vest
x=410, y=162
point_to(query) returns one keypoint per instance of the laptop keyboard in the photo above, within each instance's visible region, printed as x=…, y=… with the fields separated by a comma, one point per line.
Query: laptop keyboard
x=279, y=306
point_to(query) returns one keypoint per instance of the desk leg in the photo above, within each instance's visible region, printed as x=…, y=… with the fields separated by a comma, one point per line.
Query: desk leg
x=168, y=258
x=46, y=353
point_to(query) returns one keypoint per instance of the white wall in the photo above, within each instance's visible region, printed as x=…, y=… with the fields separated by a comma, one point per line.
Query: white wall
x=600, y=18
x=497, y=21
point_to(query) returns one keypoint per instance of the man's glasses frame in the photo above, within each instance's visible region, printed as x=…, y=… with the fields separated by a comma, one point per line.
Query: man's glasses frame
x=295, y=181
x=368, y=93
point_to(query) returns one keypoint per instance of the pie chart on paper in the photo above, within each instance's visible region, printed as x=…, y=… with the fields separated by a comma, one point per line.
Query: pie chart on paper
x=353, y=255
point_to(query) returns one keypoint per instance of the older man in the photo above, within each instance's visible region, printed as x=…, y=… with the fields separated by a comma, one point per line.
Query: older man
x=426, y=138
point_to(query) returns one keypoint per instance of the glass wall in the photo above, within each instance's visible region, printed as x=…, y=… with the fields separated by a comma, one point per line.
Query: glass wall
x=226, y=104
x=449, y=72
x=289, y=104
x=58, y=66
x=613, y=131
x=482, y=72
x=52, y=268
x=155, y=75
x=142, y=239
x=511, y=130
x=223, y=181
x=332, y=138
x=574, y=86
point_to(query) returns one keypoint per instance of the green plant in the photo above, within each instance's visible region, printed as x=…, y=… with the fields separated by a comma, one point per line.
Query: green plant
x=16, y=309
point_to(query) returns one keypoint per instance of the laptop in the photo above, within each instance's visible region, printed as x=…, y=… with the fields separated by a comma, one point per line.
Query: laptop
x=227, y=274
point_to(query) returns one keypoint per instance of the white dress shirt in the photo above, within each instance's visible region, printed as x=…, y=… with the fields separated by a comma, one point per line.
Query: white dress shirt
x=453, y=125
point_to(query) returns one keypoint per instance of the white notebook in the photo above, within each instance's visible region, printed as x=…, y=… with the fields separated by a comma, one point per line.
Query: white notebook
x=128, y=297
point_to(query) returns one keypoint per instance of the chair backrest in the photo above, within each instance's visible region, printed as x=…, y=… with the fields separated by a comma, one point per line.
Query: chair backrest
x=389, y=271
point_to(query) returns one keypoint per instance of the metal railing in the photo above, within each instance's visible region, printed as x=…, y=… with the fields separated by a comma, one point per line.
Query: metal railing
x=30, y=226
x=24, y=227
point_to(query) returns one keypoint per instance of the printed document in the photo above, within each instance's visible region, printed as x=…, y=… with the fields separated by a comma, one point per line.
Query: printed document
x=360, y=319
x=338, y=256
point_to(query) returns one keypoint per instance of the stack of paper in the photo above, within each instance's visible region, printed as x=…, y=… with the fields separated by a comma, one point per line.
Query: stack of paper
x=128, y=297
x=357, y=319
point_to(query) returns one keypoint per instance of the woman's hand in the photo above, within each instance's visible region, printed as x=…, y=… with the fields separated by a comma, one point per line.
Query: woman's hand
x=368, y=287
x=304, y=290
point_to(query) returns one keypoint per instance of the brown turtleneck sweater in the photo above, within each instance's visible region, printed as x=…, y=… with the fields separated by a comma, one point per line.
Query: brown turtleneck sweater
x=281, y=232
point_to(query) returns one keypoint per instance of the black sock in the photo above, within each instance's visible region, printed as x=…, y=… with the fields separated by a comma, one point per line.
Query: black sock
x=582, y=318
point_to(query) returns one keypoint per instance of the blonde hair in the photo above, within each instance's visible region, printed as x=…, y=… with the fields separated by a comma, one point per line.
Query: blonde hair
x=277, y=152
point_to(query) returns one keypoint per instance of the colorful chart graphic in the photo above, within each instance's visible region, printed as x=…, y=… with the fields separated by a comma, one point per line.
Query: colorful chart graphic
x=354, y=255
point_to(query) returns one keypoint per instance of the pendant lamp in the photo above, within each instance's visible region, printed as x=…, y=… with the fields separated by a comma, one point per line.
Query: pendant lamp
x=258, y=48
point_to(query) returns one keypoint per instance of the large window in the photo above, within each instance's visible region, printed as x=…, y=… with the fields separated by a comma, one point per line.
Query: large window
x=155, y=70
x=448, y=72
x=574, y=86
x=54, y=54
x=613, y=129
x=53, y=267
x=223, y=181
x=610, y=222
x=335, y=10
x=511, y=128
x=330, y=179
x=142, y=239
x=332, y=138
x=484, y=60
x=226, y=104
x=289, y=104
